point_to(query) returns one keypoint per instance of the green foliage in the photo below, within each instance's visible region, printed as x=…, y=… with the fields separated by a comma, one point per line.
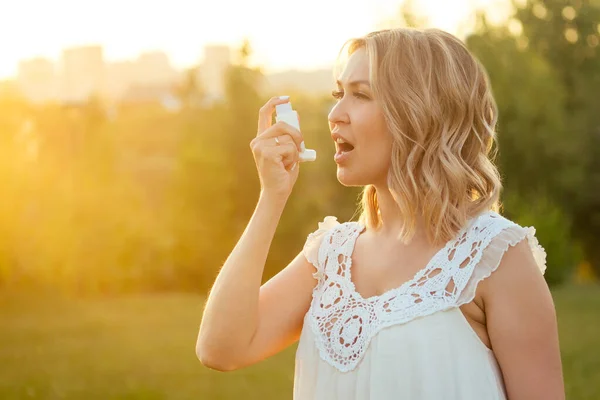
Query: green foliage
x=553, y=229
x=567, y=35
x=138, y=198
x=546, y=79
x=532, y=134
x=101, y=199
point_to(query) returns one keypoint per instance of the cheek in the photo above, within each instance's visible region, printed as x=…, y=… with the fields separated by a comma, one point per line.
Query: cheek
x=381, y=144
x=376, y=153
x=382, y=155
x=369, y=123
x=376, y=137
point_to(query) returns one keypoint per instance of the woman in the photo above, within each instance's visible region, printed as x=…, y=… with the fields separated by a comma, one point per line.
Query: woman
x=431, y=294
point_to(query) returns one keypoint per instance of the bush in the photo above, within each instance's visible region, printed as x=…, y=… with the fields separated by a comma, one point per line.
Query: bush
x=553, y=230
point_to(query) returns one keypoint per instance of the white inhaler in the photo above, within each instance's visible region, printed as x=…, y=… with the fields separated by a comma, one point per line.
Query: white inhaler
x=285, y=113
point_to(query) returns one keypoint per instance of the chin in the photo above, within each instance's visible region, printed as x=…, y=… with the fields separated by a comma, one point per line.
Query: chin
x=352, y=176
x=347, y=178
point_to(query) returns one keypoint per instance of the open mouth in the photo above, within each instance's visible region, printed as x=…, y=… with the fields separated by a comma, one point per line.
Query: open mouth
x=345, y=147
x=343, y=150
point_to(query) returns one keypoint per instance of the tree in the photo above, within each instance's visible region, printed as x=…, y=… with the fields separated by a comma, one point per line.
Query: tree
x=566, y=33
x=190, y=90
x=243, y=100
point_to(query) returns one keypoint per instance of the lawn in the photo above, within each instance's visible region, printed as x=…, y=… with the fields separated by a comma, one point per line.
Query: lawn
x=142, y=347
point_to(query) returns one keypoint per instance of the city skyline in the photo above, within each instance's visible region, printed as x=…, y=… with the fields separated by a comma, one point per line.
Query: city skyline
x=278, y=35
x=83, y=72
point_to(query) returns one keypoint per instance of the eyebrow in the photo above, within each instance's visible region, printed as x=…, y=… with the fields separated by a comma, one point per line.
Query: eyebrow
x=354, y=83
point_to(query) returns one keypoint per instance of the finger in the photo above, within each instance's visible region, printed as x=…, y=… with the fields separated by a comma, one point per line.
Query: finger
x=271, y=142
x=265, y=115
x=283, y=139
x=287, y=154
x=282, y=129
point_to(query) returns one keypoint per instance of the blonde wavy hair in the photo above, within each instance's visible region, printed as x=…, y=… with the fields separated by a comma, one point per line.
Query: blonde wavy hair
x=439, y=109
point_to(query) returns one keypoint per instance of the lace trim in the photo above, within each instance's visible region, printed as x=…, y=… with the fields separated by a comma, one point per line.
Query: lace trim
x=539, y=254
x=493, y=256
x=313, y=244
x=344, y=322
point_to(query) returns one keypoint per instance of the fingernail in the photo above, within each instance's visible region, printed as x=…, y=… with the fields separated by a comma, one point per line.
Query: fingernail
x=284, y=97
x=302, y=146
x=294, y=166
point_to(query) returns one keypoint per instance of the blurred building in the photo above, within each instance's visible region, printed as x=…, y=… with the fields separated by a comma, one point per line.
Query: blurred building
x=83, y=73
x=217, y=59
x=316, y=82
x=37, y=80
x=154, y=68
x=149, y=78
x=119, y=76
x=142, y=77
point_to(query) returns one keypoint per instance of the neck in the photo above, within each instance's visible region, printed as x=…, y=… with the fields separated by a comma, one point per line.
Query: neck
x=393, y=221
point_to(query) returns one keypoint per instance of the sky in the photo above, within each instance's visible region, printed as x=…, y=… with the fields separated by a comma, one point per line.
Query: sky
x=305, y=34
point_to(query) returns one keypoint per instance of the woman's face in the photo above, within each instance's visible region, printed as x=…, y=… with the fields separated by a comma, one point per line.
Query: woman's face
x=359, y=120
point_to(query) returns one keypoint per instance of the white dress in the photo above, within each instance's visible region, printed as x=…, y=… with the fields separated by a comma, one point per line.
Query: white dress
x=411, y=342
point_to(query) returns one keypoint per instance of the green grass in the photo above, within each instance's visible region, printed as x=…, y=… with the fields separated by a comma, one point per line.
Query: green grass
x=142, y=347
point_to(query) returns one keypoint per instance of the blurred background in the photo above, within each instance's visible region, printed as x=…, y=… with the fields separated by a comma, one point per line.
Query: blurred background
x=126, y=176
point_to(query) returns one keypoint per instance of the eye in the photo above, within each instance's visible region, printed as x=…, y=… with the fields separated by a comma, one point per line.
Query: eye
x=361, y=96
x=337, y=94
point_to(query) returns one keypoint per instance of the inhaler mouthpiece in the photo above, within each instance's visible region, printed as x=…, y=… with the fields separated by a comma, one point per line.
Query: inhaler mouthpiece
x=308, y=155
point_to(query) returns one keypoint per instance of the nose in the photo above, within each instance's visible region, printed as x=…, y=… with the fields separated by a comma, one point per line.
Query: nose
x=338, y=115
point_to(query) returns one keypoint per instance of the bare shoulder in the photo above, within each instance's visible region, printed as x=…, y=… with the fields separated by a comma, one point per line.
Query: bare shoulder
x=517, y=284
x=518, y=270
x=521, y=266
x=522, y=325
